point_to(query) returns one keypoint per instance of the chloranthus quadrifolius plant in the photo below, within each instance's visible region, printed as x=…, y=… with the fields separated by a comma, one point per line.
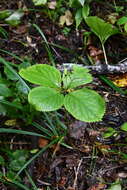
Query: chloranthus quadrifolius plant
x=66, y=89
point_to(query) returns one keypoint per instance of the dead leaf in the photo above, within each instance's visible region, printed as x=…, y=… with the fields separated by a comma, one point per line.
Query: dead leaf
x=42, y=142
x=95, y=53
x=121, y=80
x=77, y=129
x=112, y=18
x=66, y=19
x=21, y=29
x=94, y=133
x=52, y=5
x=70, y=188
x=99, y=186
x=85, y=148
x=122, y=175
x=62, y=181
x=104, y=149
x=10, y=122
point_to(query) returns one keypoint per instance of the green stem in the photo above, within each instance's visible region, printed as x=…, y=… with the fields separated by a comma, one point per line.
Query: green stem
x=105, y=56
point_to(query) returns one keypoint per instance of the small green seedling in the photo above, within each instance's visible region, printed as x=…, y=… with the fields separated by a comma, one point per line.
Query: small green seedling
x=123, y=21
x=82, y=13
x=101, y=29
x=58, y=89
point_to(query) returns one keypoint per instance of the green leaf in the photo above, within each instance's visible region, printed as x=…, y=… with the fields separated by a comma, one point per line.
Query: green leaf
x=21, y=88
x=124, y=127
x=39, y=2
x=18, y=159
x=85, y=105
x=102, y=29
x=15, y=18
x=78, y=77
x=9, y=74
x=15, y=131
x=81, y=2
x=3, y=110
x=109, y=132
x=5, y=91
x=4, y=14
x=2, y=162
x=115, y=187
x=45, y=75
x=3, y=33
x=78, y=17
x=125, y=27
x=45, y=99
x=85, y=11
x=122, y=20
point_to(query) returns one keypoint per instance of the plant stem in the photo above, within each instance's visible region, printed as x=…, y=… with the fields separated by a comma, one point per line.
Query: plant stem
x=105, y=56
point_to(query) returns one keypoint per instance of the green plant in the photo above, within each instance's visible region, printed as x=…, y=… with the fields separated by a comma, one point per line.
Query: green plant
x=101, y=29
x=12, y=18
x=82, y=13
x=56, y=90
x=123, y=21
x=115, y=186
x=113, y=132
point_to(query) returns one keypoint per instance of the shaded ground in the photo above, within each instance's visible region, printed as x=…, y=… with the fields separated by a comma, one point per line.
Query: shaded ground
x=94, y=162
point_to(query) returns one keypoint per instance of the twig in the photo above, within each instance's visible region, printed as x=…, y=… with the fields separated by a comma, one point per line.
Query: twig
x=76, y=174
x=121, y=67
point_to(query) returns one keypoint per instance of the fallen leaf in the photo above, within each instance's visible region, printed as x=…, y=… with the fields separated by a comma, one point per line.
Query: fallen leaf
x=42, y=142
x=66, y=19
x=104, y=149
x=52, y=5
x=112, y=18
x=10, y=122
x=77, y=129
x=62, y=181
x=121, y=80
x=122, y=175
x=21, y=29
x=97, y=187
x=95, y=53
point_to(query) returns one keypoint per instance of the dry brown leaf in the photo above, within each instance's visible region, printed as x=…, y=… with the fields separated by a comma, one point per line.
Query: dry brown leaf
x=66, y=19
x=98, y=187
x=42, y=142
x=52, y=5
x=121, y=80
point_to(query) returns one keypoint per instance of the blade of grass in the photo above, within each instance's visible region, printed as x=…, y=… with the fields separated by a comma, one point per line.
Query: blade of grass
x=65, y=145
x=51, y=59
x=31, y=180
x=51, y=126
x=112, y=85
x=15, y=183
x=10, y=104
x=35, y=156
x=46, y=131
x=64, y=127
x=3, y=61
x=11, y=54
x=4, y=130
x=60, y=47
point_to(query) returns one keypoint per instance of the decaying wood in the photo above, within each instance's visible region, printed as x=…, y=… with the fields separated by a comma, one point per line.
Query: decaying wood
x=121, y=67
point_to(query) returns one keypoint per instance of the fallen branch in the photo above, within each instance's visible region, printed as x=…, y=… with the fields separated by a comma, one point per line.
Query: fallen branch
x=121, y=67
